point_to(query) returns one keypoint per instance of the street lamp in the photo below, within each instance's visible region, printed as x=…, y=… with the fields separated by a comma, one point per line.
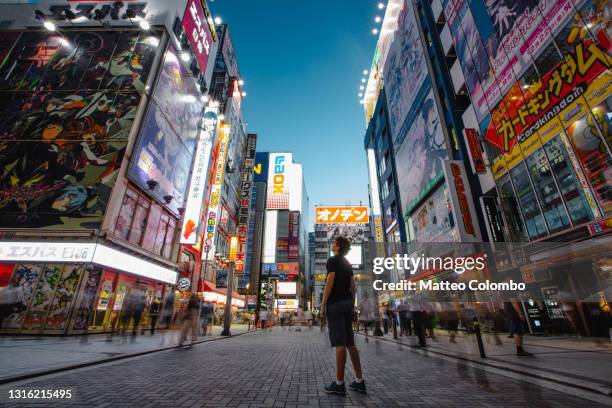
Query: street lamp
x=227, y=319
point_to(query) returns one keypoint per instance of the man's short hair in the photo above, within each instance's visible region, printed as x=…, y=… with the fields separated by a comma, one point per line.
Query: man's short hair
x=344, y=244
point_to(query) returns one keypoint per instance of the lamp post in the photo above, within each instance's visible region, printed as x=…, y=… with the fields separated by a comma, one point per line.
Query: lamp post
x=227, y=318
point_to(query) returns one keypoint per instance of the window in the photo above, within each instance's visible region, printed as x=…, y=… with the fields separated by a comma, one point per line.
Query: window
x=124, y=220
x=547, y=192
x=511, y=210
x=536, y=227
x=140, y=220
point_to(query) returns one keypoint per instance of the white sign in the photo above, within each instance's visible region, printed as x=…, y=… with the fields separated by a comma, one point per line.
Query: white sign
x=278, y=181
x=286, y=288
x=286, y=304
x=47, y=251
x=85, y=252
x=183, y=284
x=197, y=186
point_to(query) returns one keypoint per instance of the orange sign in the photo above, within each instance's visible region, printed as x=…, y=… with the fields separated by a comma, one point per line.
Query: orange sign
x=342, y=215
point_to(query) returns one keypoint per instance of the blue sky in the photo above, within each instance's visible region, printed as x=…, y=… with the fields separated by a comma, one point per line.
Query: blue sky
x=302, y=62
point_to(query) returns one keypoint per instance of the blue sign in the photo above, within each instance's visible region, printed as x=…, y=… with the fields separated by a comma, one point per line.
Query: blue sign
x=260, y=168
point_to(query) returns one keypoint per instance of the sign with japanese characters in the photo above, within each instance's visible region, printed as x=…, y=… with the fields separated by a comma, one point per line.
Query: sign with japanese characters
x=46, y=251
x=246, y=186
x=342, y=215
x=476, y=157
x=294, y=235
x=461, y=198
x=197, y=31
x=197, y=186
x=214, y=203
x=278, y=181
x=526, y=109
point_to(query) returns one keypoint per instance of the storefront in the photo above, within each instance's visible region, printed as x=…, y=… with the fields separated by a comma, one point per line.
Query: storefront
x=72, y=287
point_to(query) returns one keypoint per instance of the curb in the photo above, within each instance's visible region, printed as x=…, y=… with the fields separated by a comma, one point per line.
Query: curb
x=42, y=373
x=567, y=383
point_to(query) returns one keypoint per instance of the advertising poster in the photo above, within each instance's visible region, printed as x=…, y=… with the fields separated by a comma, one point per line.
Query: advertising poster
x=26, y=276
x=294, y=235
x=279, y=181
x=166, y=143
x=64, y=296
x=356, y=233
x=64, y=144
x=342, y=215
x=405, y=69
x=221, y=278
x=419, y=157
x=81, y=319
x=246, y=186
x=433, y=220
x=42, y=297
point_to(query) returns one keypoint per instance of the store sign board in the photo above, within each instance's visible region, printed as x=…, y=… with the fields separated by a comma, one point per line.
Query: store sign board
x=476, y=157
x=214, y=203
x=183, y=284
x=246, y=187
x=197, y=186
x=278, y=181
x=294, y=235
x=286, y=304
x=198, y=33
x=494, y=227
x=342, y=215
x=461, y=198
x=378, y=229
x=81, y=252
x=260, y=168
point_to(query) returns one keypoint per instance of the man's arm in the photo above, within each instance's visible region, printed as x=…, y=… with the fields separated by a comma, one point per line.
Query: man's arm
x=329, y=284
x=353, y=289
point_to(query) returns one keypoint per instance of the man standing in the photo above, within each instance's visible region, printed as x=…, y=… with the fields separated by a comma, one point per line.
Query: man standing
x=337, y=307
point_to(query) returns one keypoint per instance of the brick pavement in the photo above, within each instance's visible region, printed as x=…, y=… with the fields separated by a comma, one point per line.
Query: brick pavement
x=288, y=369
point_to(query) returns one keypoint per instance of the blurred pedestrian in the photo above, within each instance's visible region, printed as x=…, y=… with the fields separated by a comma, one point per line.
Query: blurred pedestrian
x=190, y=320
x=517, y=325
x=137, y=308
x=206, y=313
x=385, y=317
x=263, y=317
x=338, y=306
x=418, y=317
x=154, y=311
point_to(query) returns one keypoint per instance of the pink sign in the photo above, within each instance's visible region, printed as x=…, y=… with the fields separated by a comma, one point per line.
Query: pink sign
x=196, y=28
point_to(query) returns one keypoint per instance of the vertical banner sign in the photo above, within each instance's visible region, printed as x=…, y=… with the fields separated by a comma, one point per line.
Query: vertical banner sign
x=278, y=183
x=494, y=227
x=294, y=235
x=212, y=218
x=246, y=186
x=197, y=186
x=461, y=197
x=476, y=157
x=197, y=31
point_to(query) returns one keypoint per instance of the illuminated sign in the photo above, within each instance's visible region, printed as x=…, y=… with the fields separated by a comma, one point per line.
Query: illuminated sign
x=286, y=304
x=286, y=288
x=25, y=251
x=197, y=186
x=476, y=157
x=198, y=33
x=342, y=215
x=215, y=195
x=246, y=186
x=294, y=235
x=278, y=194
x=463, y=208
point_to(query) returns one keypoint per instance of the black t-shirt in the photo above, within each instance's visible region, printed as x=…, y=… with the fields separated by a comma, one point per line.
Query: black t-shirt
x=342, y=280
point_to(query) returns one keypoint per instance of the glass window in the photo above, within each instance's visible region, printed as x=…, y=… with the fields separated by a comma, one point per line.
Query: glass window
x=167, y=250
x=150, y=235
x=547, y=191
x=528, y=202
x=161, y=233
x=140, y=220
x=563, y=172
x=511, y=211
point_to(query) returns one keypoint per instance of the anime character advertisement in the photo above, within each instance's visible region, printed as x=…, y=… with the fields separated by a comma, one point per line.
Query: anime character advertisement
x=67, y=105
x=166, y=143
x=405, y=69
x=419, y=156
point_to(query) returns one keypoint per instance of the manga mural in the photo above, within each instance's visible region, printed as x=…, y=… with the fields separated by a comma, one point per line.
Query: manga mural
x=419, y=157
x=405, y=70
x=433, y=220
x=166, y=143
x=67, y=105
x=25, y=277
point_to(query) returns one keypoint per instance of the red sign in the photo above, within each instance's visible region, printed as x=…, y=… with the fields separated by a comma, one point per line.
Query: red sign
x=475, y=151
x=464, y=207
x=197, y=31
x=524, y=110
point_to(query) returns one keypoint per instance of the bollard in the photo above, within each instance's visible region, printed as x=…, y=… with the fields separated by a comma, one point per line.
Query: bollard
x=476, y=326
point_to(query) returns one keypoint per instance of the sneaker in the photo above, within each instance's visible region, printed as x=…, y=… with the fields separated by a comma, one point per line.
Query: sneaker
x=523, y=353
x=334, y=388
x=359, y=387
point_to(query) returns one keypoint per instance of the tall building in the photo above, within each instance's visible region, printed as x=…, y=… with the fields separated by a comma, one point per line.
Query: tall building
x=499, y=132
x=284, y=247
x=104, y=118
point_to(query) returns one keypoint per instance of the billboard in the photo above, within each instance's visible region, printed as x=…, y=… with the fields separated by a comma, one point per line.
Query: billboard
x=197, y=186
x=433, y=220
x=286, y=288
x=260, y=168
x=195, y=25
x=294, y=235
x=353, y=256
x=356, y=233
x=214, y=203
x=419, y=157
x=278, y=180
x=164, y=150
x=65, y=117
x=405, y=70
x=286, y=304
x=246, y=186
x=341, y=215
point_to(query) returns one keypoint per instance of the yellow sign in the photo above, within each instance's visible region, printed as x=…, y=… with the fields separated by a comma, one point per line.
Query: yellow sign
x=342, y=215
